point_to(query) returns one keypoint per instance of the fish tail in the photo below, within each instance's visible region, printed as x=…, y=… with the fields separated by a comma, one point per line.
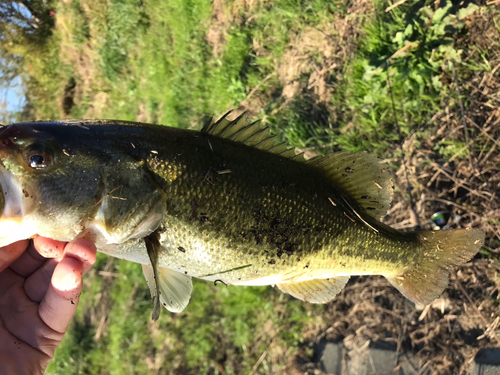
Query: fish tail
x=439, y=251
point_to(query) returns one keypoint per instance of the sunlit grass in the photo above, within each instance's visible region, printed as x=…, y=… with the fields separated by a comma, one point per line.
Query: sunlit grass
x=152, y=61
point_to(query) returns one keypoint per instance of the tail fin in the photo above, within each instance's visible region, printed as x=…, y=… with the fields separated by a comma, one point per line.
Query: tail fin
x=439, y=251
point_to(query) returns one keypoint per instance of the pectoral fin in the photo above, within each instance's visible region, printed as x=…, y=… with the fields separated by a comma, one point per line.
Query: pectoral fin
x=317, y=290
x=151, y=278
x=170, y=288
x=175, y=289
x=150, y=272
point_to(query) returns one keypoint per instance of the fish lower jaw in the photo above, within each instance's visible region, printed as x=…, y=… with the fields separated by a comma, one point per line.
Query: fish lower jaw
x=12, y=194
x=13, y=227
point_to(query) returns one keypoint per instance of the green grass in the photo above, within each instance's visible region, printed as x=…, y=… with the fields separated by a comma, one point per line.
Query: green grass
x=229, y=327
x=151, y=60
x=405, y=55
x=154, y=57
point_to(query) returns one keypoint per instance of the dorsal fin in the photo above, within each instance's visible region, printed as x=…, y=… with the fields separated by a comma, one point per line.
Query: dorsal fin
x=250, y=134
x=362, y=176
x=358, y=174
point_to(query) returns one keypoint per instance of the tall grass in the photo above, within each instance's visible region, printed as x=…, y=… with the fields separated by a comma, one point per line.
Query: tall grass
x=154, y=61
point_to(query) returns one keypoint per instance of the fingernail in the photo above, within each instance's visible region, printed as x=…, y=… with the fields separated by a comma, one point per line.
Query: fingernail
x=82, y=249
x=48, y=248
x=67, y=276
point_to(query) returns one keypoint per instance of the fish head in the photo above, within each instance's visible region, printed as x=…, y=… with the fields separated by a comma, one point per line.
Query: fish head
x=60, y=179
x=49, y=183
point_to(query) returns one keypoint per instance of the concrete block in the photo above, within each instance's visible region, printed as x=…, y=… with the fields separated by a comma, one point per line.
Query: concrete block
x=487, y=362
x=329, y=356
x=380, y=358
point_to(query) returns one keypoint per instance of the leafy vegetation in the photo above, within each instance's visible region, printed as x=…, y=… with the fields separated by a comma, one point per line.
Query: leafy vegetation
x=407, y=57
x=320, y=85
x=404, y=59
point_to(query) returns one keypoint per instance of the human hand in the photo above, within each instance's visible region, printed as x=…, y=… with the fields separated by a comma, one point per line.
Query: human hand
x=40, y=284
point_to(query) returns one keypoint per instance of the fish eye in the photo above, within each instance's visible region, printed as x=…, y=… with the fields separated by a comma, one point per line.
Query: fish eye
x=39, y=157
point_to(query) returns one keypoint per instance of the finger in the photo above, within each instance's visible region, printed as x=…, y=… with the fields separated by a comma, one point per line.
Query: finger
x=9, y=280
x=20, y=317
x=49, y=248
x=37, y=284
x=36, y=255
x=83, y=250
x=9, y=253
x=28, y=262
x=61, y=300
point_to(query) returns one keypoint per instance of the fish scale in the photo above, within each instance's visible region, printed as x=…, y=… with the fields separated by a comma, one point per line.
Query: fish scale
x=254, y=243
x=228, y=204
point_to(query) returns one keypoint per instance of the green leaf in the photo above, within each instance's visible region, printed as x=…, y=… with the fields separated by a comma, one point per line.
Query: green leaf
x=441, y=13
x=399, y=38
x=436, y=82
x=464, y=12
x=409, y=30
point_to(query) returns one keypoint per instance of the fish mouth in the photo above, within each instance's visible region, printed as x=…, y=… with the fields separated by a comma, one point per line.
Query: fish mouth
x=11, y=207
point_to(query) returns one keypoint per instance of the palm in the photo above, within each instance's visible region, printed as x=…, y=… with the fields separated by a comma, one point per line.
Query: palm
x=37, y=300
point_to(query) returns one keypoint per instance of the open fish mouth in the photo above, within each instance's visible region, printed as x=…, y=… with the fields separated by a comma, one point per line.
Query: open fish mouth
x=11, y=206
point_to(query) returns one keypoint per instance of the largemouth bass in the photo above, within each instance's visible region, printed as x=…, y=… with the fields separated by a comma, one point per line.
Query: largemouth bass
x=228, y=204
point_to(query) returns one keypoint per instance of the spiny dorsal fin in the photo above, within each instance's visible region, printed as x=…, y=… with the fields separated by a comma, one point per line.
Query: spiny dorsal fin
x=250, y=134
x=360, y=175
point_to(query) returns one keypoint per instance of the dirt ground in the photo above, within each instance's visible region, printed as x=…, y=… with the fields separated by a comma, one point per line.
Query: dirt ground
x=445, y=336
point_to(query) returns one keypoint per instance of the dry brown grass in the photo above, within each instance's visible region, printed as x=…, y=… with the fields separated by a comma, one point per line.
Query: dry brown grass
x=445, y=336
x=321, y=54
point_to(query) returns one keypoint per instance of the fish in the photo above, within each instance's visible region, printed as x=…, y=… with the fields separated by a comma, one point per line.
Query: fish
x=228, y=204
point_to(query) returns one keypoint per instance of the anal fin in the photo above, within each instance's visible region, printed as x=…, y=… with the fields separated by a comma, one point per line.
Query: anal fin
x=316, y=290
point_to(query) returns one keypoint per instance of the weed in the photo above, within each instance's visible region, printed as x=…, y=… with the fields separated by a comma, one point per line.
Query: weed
x=410, y=51
x=154, y=61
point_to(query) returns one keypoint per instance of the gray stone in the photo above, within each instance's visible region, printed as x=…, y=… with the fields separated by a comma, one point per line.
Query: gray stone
x=329, y=355
x=381, y=358
x=487, y=362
